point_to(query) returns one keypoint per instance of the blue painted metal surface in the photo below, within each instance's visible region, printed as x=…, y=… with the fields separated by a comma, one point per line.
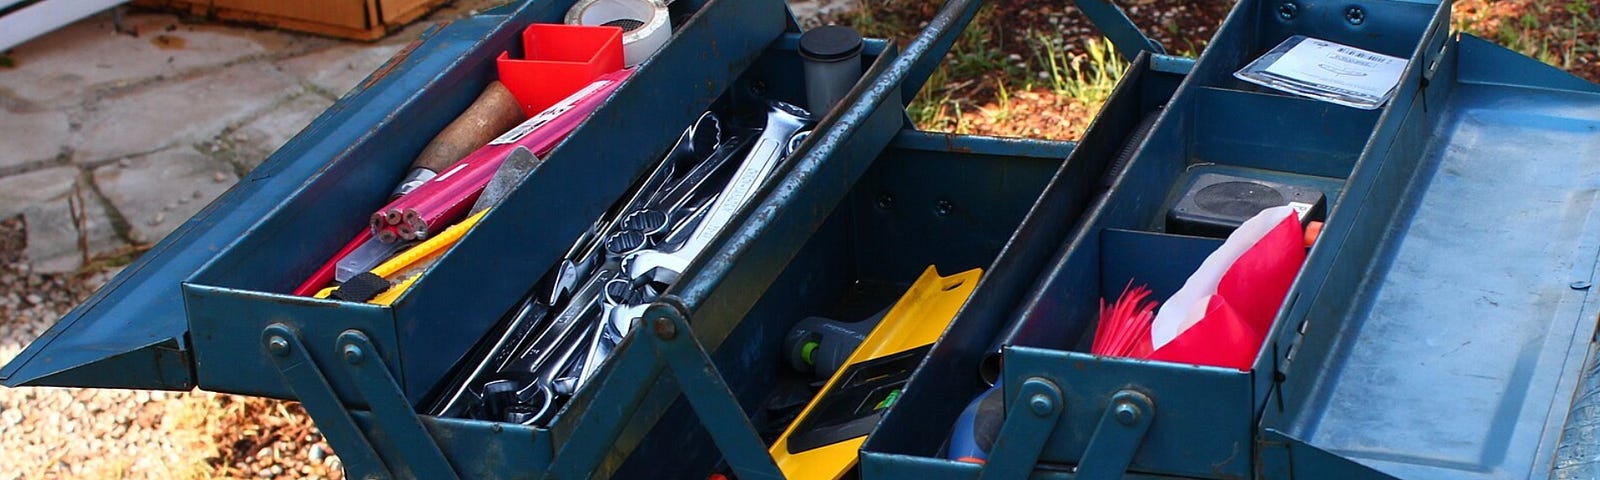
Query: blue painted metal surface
x=305, y=378
x=907, y=442
x=861, y=242
x=1466, y=340
x=1037, y=403
x=445, y=313
x=1290, y=135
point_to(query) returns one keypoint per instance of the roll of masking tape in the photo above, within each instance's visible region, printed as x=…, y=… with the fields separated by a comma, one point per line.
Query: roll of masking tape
x=644, y=23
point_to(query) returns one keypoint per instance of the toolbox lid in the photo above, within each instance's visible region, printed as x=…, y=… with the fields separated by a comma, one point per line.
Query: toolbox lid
x=1452, y=345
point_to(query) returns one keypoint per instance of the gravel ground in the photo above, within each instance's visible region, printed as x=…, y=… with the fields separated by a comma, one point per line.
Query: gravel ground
x=94, y=433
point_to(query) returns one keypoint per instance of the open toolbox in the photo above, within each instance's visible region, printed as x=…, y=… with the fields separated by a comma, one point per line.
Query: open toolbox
x=1440, y=326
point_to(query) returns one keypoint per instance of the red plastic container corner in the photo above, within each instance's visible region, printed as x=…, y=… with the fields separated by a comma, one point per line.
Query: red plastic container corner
x=560, y=59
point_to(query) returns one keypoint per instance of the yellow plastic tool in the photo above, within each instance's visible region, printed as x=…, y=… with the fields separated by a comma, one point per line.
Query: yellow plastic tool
x=916, y=320
x=422, y=253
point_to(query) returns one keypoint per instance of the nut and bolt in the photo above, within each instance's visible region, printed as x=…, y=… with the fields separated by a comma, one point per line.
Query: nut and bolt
x=353, y=354
x=1126, y=413
x=1355, y=15
x=1041, y=404
x=664, y=328
x=1288, y=10
x=278, y=346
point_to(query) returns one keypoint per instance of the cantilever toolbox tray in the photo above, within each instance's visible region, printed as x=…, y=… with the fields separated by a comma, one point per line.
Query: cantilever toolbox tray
x=1439, y=328
x=230, y=327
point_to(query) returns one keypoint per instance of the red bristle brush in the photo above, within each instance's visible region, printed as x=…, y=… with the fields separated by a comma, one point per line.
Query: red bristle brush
x=1124, y=329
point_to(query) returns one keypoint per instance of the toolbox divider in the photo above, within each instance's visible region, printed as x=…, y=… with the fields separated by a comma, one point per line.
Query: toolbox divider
x=951, y=376
x=1276, y=132
x=1392, y=28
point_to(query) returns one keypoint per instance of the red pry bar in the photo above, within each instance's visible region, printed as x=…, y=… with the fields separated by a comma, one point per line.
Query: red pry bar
x=440, y=201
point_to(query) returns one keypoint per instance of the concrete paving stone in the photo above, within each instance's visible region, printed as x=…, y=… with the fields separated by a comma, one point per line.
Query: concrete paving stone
x=258, y=138
x=337, y=70
x=31, y=136
x=156, y=193
x=44, y=199
x=179, y=113
x=60, y=67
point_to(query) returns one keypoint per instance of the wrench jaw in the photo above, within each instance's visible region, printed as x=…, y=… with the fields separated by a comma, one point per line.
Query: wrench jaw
x=656, y=266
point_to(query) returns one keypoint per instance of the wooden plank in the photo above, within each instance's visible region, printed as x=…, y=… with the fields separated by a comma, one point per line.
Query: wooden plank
x=353, y=14
x=401, y=12
x=353, y=19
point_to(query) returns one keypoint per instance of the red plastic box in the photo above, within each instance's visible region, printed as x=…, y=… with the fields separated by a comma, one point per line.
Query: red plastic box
x=560, y=59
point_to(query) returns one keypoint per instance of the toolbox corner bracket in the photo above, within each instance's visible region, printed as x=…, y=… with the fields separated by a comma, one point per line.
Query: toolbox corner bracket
x=281, y=343
x=708, y=395
x=1036, y=408
x=391, y=411
x=1117, y=436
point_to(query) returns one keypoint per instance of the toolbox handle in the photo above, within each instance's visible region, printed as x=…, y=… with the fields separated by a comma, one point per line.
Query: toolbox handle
x=924, y=54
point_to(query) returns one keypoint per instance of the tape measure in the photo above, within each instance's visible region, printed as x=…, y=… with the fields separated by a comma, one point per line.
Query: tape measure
x=644, y=24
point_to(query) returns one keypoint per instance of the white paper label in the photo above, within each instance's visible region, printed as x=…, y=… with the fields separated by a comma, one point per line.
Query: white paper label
x=1301, y=209
x=516, y=133
x=1340, y=69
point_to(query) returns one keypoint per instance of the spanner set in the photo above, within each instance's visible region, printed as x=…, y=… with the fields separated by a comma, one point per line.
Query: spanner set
x=572, y=319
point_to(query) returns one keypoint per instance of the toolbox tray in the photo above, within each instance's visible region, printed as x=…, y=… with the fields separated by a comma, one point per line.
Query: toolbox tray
x=1070, y=411
x=134, y=332
x=928, y=199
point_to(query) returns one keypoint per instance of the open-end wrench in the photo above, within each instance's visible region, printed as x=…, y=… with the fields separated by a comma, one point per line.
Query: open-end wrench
x=702, y=138
x=566, y=327
x=783, y=121
x=521, y=327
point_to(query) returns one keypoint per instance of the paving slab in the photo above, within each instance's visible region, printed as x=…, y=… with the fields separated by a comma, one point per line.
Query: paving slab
x=337, y=70
x=29, y=137
x=63, y=66
x=156, y=193
x=181, y=113
x=45, y=199
x=252, y=142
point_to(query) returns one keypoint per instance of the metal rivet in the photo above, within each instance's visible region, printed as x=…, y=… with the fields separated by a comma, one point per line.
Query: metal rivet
x=1355, y=15
x=353, y=354
x=885, y=201
x=1041, y=404
x=665, y=330
x=278, y=346
x=1580, y=285
x=943, y=207
x=1126, y=413
x=1288, y=10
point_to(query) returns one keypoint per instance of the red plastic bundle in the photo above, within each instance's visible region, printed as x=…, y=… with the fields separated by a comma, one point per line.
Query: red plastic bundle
x=1223, y=312
x=1124, y=329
